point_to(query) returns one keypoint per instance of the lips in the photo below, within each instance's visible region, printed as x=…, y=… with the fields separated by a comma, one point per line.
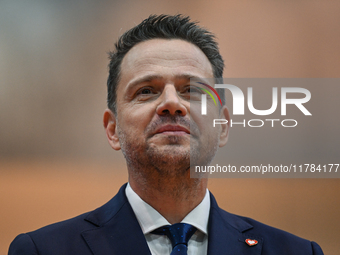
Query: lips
x=173, y=129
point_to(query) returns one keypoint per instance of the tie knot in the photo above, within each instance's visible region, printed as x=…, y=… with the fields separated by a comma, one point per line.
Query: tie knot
x=178, y=233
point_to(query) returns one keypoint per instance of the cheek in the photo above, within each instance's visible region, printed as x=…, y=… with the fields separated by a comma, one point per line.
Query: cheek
x=205, y=123
x=135, y=119
x=208, y=129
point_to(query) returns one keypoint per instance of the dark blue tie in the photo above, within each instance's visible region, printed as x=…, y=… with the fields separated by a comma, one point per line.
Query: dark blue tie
x=179, y=235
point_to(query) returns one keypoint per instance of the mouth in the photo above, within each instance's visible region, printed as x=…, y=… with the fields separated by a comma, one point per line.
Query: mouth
x=172, y=130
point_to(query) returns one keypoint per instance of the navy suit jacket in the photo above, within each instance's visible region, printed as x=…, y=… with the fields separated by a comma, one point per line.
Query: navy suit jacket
x=113, y=229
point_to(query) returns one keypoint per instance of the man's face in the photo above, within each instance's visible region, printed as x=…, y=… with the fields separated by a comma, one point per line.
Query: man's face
x=154, y=125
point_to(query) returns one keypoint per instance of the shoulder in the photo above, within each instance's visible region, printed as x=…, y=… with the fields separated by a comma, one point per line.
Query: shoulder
x=285, y=241
x=272, y=240
x=66, y=237
x=277, y=241
x=49, y=238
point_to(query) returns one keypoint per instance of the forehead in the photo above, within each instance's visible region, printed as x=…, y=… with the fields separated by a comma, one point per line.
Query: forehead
x=165, y=58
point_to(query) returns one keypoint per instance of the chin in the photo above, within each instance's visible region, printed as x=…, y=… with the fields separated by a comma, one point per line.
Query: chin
x=170, y=156
x=174, y=153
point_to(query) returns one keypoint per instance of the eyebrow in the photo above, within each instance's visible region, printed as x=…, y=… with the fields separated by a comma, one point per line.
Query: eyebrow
x=148, y=78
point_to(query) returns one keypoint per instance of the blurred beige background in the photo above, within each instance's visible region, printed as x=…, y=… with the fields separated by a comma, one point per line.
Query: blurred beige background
x=55, y=162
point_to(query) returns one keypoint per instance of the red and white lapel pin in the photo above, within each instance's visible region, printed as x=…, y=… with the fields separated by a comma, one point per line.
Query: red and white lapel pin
x=251, y=242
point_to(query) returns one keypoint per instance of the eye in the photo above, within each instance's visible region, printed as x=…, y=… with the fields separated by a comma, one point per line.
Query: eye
x=192, y=93
x=144, y=91
x=193, y=89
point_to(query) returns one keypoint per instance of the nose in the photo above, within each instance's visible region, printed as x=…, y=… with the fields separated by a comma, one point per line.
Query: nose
x=171, y=102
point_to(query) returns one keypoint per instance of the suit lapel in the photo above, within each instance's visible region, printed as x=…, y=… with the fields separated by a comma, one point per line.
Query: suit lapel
x=227, y=234
x=117, y=229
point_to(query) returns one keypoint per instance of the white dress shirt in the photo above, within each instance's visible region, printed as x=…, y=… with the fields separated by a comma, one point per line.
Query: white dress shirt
x=149, y=220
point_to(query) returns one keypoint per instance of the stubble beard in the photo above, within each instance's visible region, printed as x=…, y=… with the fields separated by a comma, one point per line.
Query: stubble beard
x=147, y=160
x=159, y=166
x=169, y=160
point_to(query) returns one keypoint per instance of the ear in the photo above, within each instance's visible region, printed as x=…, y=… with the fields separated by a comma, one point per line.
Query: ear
x=224, y=114
x=110, y=125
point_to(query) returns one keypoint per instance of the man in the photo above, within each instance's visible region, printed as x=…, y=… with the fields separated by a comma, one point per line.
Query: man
x=154, y=117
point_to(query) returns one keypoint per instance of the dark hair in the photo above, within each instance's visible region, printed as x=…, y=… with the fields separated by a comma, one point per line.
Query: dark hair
x=167, y=27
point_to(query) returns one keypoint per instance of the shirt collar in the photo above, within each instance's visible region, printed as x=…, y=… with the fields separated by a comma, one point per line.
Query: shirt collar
x=149, y=219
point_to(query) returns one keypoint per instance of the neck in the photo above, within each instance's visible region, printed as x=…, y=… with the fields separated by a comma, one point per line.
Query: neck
x=172, y=196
